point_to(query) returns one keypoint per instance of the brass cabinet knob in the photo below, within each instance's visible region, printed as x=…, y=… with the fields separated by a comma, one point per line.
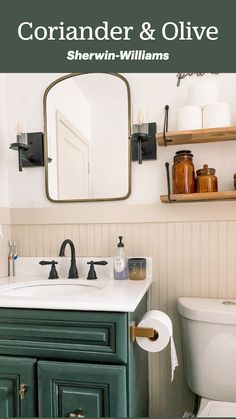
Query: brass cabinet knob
x=22, y=390
x=77, y=414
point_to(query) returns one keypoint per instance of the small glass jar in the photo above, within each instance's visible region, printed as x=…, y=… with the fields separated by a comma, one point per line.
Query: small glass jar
x=206, y=180
x=183, y=177
x=137, y=268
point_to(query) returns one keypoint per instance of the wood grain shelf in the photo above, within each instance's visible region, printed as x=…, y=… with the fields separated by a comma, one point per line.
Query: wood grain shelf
x=198, y=136
x=195, y=197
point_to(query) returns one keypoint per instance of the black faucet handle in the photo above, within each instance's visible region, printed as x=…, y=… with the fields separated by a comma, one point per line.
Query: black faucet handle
x=100, y=262
x=92, y=273
x=48, y=262
x=53, y=272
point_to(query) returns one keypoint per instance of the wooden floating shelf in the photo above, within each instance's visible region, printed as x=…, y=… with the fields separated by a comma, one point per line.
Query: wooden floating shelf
x=198, y=136
x=194, y=197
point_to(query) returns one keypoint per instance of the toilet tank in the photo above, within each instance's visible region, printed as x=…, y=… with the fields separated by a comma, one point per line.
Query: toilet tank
x=209, y=346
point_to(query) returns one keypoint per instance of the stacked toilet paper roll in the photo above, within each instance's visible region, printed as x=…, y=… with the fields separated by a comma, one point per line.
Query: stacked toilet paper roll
x=189, y=117
x=204, y=110
x=217, y=115
x=162, y=324
x=203, y=93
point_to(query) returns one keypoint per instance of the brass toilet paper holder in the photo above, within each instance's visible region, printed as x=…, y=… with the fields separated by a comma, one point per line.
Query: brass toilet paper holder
x=145, y=332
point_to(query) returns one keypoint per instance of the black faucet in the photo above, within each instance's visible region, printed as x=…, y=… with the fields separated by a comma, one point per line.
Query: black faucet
x=73, y=272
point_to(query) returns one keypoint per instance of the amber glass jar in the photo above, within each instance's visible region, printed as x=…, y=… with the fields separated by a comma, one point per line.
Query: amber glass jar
x=235, y=181
x=206, y=180
x=183, y=177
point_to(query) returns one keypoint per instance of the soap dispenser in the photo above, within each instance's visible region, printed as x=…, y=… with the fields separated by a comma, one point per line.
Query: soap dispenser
x=120, y=262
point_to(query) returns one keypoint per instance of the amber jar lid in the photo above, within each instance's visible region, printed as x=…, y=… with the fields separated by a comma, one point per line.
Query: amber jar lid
x=206, y=171
x=183, y=155
x=185, y=152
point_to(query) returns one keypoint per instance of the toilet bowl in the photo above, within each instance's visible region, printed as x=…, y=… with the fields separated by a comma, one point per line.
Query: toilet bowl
x=209, y=353
x=212, y=409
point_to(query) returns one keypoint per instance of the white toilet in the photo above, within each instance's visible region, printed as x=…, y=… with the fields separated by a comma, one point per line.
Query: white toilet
x=209, y=351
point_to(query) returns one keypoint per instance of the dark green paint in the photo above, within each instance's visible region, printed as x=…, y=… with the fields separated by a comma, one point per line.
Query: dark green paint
x=13, y=372
x=74, y=335
x=50, y=56
x=99, y=390
x=109, y=377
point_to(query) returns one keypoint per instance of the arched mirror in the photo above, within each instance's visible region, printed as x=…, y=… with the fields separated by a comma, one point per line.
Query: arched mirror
x=87, y=138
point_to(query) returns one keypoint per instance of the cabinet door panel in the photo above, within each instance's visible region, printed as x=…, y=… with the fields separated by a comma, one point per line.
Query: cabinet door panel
x=9, y=406
x=13, y=372
x=96, y=390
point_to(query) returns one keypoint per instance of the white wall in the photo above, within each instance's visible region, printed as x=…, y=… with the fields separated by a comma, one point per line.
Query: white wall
x=24, y=97
x=4, y=189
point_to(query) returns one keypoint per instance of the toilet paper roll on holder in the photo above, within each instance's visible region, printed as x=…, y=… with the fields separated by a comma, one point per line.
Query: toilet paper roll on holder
x=145, y=332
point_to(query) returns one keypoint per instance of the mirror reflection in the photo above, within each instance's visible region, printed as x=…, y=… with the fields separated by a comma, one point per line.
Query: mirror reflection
x=87, y=129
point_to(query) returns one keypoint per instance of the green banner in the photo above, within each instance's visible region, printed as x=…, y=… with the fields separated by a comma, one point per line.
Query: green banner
x=120, y=36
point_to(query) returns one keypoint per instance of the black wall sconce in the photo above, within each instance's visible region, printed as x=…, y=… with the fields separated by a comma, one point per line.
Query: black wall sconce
x=144, y=142
x=30, y=149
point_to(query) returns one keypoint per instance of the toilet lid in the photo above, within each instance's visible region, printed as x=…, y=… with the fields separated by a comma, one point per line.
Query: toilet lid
x=216, y=409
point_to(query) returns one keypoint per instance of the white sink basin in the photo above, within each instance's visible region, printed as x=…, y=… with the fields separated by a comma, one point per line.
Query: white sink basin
x=50, y=289
x=30, y=288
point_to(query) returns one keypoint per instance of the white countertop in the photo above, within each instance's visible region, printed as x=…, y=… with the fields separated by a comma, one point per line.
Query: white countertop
x=110, y=294
x=30, y=288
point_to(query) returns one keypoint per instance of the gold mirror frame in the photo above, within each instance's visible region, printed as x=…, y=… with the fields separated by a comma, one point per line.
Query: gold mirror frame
x=46, y=141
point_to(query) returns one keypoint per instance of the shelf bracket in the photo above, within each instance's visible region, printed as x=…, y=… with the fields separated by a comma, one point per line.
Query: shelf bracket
x=165, y=127
x=168, y=182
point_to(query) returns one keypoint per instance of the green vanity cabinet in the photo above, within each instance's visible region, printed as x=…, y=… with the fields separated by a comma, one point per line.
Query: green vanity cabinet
x=73, y=364
x=17, y=374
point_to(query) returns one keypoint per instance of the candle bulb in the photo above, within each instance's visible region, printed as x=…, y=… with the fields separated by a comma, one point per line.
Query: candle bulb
x=21, y=131
x=22, y=140
x=139, y=126
x=140, y=118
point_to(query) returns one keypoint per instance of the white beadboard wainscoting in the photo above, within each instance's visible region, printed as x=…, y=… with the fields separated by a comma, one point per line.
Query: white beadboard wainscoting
x=189, y=259
x=5, y=221
x=6, y=229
